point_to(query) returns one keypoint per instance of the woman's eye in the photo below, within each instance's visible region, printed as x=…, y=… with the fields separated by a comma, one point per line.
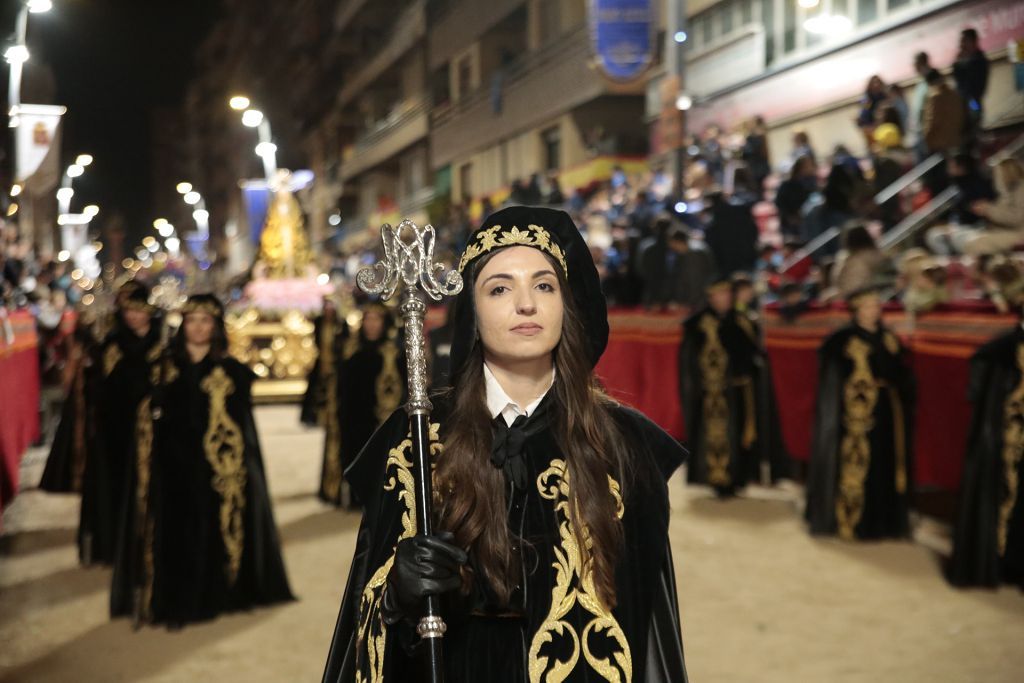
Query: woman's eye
x=499, y=290
x=546, y=287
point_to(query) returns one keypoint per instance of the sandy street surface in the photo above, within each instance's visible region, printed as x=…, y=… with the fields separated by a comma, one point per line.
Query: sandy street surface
x=761, y=601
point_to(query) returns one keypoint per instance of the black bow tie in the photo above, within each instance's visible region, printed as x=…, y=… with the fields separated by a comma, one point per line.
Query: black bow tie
x=507, y=449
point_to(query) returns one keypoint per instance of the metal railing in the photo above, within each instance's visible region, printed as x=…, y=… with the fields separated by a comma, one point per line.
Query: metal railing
x=810, y=248
x=908, y=178
x=920, y=218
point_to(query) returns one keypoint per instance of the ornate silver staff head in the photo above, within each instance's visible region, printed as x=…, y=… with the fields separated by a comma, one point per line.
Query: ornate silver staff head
x=409, y=258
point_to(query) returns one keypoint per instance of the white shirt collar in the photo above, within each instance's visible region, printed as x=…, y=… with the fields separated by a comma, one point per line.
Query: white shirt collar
x=499, y=403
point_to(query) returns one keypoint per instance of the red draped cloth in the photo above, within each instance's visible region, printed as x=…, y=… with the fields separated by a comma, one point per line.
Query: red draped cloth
x=19, y=397
x=640, y=368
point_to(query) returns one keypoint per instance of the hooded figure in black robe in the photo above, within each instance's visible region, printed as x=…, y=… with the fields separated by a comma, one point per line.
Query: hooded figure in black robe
x=553, y=624
x=123, y=382
x=988, y=541
x=214, y=546
x=329, y=334
x=861, y=473
x=728, y=399
x=371, y=384
x=75, y=435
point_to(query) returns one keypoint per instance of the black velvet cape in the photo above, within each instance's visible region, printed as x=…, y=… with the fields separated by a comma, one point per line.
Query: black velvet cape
x=76, y=431
x=123, y=370
x=731, y=437
x=362, y=403
x=996, y=387
x=215, y=544
x=879, y=507
x=639, y=639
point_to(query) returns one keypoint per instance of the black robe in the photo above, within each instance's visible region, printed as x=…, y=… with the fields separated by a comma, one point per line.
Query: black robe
x=371, y=385
x=123, y=381
x=988, y=541
x=861, y=470
x=76, y=431
x=329, y=336
x=215, y=546
x=728, y=403
x=555, y=618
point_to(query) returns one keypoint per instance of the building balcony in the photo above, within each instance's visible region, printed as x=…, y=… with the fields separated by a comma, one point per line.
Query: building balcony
x=462, y=23
x=529, y=92
x=410, y=28
x=404, y=126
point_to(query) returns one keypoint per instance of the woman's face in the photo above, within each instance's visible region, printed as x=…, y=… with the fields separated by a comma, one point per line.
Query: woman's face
x=519, y=305
x=136, y=320
x=198, y=328
x=373, y=324
x=869, y=311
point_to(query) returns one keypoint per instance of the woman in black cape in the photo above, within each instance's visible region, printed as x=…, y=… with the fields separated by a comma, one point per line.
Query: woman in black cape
x=214, y=546
x=988, y=540
x=73, y=440
x=370, y=386
x=124, y=360
x=552, y=556
x=861, y=470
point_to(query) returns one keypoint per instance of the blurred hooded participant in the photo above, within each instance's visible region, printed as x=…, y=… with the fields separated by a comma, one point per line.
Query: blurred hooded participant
x=530, y=590
x=727, y=396
x=210, y=544
x=988, y=540
x=371, y=384
x=75, y=435
x=123, y=382
x=861, y=472
x=329, y=334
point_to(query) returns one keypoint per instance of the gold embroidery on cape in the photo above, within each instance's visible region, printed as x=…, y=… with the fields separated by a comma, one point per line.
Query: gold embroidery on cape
x=111, y=357
x=389, y=382
x=143, y=468
x=574, y=584
x=531, y=236
x=860, y=395
x=225, y=451
x=371, y=639
x=892, y=343
x=331, y=486
x=713, y=362
x=1013, y=449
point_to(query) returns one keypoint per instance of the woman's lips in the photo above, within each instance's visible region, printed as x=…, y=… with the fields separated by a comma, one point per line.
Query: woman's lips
x=527, y=329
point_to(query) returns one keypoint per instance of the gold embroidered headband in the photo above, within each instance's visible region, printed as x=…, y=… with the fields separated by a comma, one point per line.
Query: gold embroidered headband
x=532, y=236
x=207, y=307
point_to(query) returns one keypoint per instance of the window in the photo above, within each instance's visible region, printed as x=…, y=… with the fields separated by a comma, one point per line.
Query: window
x=768, y=20
x=789, y=26
x=747, y=12
x=465, y=76
x=707, y=29
x=726, y=12
x=867, y=11
x=552, y=141
x=898, y=4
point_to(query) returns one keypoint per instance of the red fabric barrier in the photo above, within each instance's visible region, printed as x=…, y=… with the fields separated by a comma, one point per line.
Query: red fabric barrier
x=640, y=368
x=19, y=399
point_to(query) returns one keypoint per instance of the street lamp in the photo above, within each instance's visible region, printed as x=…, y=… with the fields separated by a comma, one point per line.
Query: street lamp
x=17, y=54
x=83, y=160
x=266, y=149
x=184, y=188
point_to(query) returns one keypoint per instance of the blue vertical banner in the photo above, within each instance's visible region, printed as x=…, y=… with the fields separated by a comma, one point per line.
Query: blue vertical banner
x=256, y=199
x=621, y=37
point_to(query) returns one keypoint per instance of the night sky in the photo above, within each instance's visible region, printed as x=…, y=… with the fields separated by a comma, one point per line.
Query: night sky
x=114, y=61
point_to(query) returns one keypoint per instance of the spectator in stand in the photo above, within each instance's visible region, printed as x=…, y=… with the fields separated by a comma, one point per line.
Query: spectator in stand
x=1004, y=217
x=802, y=147
x=833, y=208
x=555, y=196
x=732, y=234
x=874, y=96
x=755, y=153
x=920, y=96
x=970, y=71
x=890, y=162
x=676, y=275
x=861, y=263
x=794, y=191
x=943, y=123
x=532, y=193
x=964, y=223
x=896, y=110
x=927, y=288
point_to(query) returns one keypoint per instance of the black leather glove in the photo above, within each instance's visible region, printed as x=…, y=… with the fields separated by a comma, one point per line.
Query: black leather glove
x=424, y=565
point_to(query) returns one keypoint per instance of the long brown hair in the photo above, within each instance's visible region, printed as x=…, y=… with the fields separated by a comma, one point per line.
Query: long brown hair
x=473, y=491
